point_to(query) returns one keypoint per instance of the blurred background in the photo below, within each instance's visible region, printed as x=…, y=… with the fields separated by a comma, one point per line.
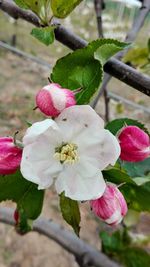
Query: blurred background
x=24, y=68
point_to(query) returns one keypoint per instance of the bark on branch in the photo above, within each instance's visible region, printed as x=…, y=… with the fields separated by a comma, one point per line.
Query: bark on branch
x=126, y=74
x=81, y=250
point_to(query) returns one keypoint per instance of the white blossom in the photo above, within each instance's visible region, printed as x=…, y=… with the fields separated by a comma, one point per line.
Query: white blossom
x=70, y=151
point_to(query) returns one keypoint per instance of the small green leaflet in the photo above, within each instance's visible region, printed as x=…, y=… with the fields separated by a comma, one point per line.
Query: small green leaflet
x=137, y=169
x=108, y=49
x=80, y=69
x=44, y=35
x=40, y=7
x=62, y=8
x=26, y=195
x=137, y=196
x=70, y=212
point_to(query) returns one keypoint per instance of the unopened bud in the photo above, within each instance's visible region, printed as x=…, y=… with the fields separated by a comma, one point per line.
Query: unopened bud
x=134, y=143
x=111, y=207
x=53, y=99
x=10, y=156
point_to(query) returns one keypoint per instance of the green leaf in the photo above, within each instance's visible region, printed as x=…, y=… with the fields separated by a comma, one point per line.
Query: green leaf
x=137, y=56
x=24, y=225
x=28, y=198
x=137, y=197
x=117, y=176
x=135, y=257
x=119, y=246
x=108, y=48
x=115, y=125
x=44, y=35
x=39, y=7
x=111, y=243
x=136, y=169
x=22, y=3
x=81, y=69
x=70, y=212
x=62, y=8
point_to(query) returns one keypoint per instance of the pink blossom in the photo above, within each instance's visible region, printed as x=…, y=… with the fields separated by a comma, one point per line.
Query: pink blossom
x=135, y=144
x=10, y=156
x=53, y=99
x=111, y=207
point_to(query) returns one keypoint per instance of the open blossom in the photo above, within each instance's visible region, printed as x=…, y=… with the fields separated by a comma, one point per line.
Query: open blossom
x=53, y=99
x=72, y=151
x=135, y=144
x=10, y=156
x=111, y=207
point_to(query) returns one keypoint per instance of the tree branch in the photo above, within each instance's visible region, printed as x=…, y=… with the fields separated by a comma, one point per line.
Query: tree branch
x=130, y=76
x=70, y=242
x=137, y=25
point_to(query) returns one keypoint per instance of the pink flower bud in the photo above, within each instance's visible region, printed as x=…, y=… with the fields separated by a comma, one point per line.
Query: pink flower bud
x=16, y=216
x=53, y=99
x=111, y=207
x=135, y=144
x=10, y=156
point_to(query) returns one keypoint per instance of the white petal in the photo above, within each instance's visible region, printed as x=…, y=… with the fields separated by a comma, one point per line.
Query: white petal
x=80, y=188
x=110, y=150
x=87, y=167
x=105, y=151
x=37, y=129
x=38, y=164
x=76, y=119
x=58, y=96
x=116, y=218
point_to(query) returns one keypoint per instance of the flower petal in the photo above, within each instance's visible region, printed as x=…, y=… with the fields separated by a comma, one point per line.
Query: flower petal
x=74, y=120
x=115, y=219
x=38, y=164
x=80, y=188
x=37, y=129
x=106, y=151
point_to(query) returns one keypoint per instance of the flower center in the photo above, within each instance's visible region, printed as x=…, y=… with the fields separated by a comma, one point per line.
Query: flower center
x=67, y=153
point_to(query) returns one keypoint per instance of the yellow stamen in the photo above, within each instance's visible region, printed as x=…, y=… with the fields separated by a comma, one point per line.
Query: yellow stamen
x=67, y=153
